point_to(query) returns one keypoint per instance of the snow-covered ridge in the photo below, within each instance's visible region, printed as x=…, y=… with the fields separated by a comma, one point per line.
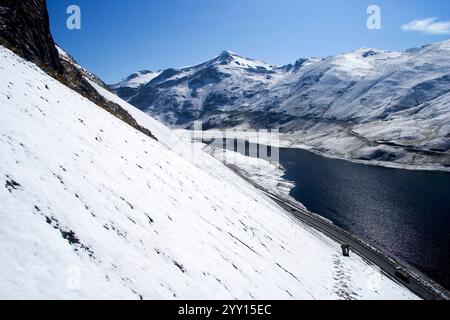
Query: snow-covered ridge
x=137, y=79
x=233, y=59
x=226, y=60
x=64, y=56
x=92, y=208
x=364, y=62
x=334, y=104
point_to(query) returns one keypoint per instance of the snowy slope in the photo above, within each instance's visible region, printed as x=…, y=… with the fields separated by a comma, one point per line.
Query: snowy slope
x=67, y=58
x=137, y=79
x=92, y=208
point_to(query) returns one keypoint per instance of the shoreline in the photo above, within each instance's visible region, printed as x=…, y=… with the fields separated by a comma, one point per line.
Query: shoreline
x=322, y=224
x=285, y=142
x=419, y=283
x=373, y=163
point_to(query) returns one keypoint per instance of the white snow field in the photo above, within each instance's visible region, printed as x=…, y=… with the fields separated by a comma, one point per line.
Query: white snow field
x=138, y=79
x=92, y=208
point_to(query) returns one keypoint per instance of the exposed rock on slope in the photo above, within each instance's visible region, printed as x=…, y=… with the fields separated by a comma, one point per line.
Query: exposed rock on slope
x=24, y=29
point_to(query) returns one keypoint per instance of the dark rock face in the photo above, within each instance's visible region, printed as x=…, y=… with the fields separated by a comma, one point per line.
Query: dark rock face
x=369, y=53
x=126, y=93
x=25, y=29
x=446, y=162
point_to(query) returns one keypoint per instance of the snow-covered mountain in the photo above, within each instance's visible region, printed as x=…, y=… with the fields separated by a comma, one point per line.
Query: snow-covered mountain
x=93, y=206
x=372, y=104
x=179, y=97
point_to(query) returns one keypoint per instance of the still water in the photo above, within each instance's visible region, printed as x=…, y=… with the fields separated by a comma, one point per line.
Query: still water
x=401, y=212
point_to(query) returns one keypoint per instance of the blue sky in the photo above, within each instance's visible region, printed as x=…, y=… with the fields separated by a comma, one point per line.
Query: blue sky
x=119, y=37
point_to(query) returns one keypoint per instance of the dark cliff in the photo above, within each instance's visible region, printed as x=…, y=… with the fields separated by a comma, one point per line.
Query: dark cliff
x=25, y=29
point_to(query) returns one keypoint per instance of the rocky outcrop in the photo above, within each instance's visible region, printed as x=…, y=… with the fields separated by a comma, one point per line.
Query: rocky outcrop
x=25, y=29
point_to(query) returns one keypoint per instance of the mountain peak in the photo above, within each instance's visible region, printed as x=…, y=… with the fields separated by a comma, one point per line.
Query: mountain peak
x=144, y=71
x=231, y=58
x=366, y=52
x=227, y=56
x=228, y=53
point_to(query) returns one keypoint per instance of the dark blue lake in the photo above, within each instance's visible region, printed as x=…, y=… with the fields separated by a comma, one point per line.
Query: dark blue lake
x=401, y=212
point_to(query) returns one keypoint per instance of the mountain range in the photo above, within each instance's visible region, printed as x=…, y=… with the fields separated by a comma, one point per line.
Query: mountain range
x=367, y=104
